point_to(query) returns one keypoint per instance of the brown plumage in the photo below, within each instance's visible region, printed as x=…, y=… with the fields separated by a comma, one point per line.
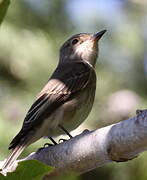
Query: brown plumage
x=66, y=99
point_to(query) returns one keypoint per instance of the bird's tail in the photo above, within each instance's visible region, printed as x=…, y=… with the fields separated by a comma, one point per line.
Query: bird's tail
x=14, y=155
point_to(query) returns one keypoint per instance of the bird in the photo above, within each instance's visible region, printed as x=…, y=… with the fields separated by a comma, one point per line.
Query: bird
x=67, y=98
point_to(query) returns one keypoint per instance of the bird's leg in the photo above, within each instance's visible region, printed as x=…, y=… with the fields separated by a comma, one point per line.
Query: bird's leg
x=53, y=141
x=66, y=132
x=48, y=144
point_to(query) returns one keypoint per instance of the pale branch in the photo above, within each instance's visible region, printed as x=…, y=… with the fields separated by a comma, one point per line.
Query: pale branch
x=91, y=149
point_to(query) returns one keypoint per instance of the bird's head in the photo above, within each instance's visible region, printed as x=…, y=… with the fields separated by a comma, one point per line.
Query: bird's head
x=83, y=46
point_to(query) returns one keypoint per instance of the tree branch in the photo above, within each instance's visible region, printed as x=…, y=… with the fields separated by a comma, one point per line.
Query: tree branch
x=91, y=149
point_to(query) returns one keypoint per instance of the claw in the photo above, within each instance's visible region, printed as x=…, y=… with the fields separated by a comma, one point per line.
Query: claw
x=47, y=145
x=63, y=140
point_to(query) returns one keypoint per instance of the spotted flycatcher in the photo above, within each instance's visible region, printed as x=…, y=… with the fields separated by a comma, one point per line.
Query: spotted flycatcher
x=67, y=98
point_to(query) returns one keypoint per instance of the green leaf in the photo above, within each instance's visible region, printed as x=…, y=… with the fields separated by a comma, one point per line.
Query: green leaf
x=4, y=4
x=28, y=170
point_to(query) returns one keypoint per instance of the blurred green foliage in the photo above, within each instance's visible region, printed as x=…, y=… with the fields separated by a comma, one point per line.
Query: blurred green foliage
x=3, y=9
x=28, y=170
x=30, y=37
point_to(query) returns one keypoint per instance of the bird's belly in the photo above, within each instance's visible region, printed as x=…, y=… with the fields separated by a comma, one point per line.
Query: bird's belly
x=72, y=113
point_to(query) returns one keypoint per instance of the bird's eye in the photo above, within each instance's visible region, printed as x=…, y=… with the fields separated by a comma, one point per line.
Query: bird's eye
x=75, y=41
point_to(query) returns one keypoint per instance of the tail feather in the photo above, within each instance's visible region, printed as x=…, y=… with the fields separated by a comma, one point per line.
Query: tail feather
x=14, y=155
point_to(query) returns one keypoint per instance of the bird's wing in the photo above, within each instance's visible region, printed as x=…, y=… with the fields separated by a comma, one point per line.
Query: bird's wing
x=67, y=79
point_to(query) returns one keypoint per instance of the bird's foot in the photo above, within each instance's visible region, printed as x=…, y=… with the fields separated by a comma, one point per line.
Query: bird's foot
x=48, y=144
x=62, y=140
x=45, y=146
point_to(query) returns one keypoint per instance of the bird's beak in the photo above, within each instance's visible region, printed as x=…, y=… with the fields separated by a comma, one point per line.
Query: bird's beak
x=98, y=35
